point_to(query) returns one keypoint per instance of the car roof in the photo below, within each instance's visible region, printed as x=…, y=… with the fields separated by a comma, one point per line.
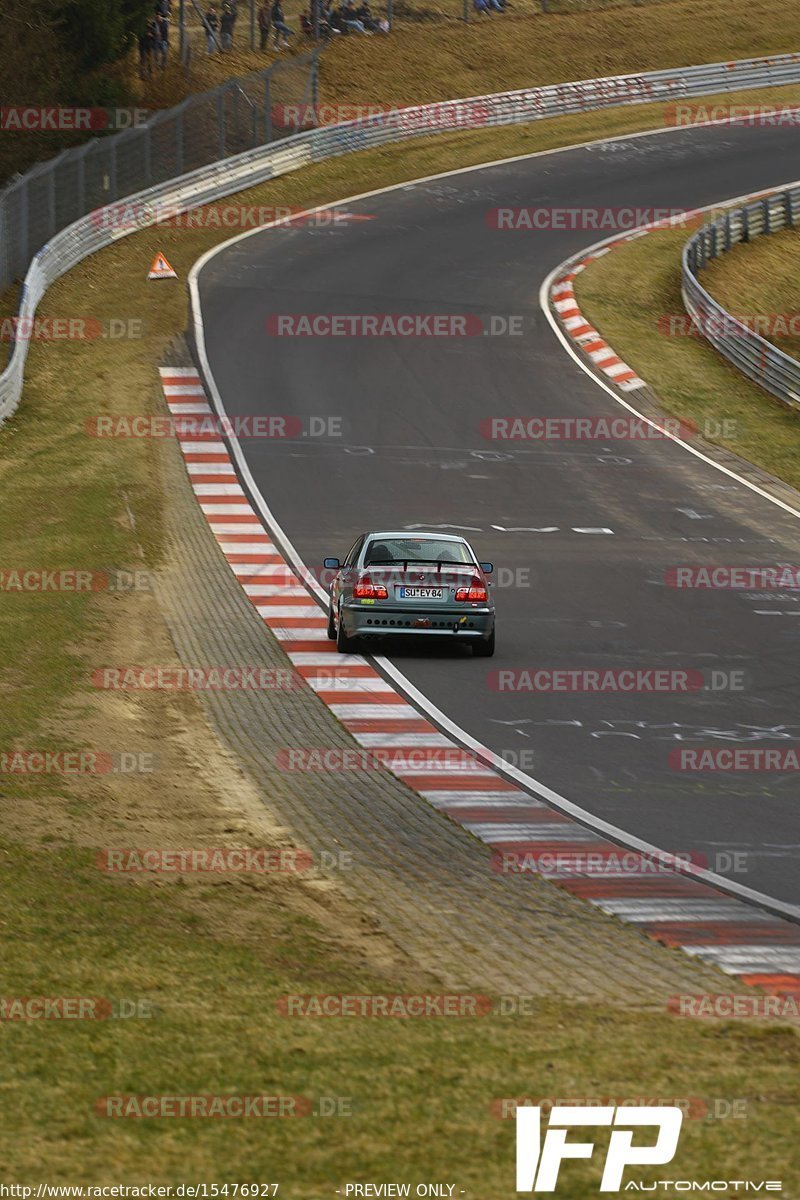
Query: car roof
x=416, y=535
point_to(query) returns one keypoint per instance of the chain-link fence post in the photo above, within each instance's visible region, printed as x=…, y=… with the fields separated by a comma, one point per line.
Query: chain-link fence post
x=267, y=109
x=181, y=32
x=221, y=122
x=112, y=167
x=180, y=154
x=24, y=220
x=315, y=86
x=51, y=203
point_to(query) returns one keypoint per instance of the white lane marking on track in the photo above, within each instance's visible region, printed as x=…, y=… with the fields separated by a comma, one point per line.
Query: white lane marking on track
x=544, y=294
x=425, y=705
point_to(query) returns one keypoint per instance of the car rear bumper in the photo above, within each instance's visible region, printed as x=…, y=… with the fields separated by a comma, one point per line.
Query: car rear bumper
x=389, y=621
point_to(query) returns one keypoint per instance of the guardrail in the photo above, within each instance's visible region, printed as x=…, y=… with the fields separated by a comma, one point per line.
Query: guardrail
x=212, y=182
x=237, y=115
x=745, y=349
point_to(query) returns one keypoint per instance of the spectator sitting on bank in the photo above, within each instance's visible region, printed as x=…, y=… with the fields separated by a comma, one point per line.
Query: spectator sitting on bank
x=211, y=25
x=326, y=30
x=336, y=22
x=279, y=25
x=364, y=14
x=347, y=13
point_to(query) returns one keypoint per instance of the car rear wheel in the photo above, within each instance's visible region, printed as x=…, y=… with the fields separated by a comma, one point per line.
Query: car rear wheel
x=484, y=648
x=344, y=644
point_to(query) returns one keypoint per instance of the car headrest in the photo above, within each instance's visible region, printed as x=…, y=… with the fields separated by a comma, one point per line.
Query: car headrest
x=378, y=552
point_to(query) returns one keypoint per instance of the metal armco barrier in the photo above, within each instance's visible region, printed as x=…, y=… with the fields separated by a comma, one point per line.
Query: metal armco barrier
x=742, y=346
x=221, y=178
x=238, y=115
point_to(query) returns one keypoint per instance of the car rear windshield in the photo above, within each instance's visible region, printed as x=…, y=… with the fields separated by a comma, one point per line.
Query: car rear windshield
x=394, y=550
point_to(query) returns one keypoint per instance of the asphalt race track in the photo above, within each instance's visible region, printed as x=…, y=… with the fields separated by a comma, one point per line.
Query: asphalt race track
x=584, y=531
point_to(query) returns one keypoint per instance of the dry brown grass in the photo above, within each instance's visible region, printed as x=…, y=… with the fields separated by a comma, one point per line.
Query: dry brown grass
x=760, y=282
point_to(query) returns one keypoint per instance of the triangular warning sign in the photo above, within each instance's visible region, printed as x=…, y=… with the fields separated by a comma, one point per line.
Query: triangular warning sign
x=161, y=268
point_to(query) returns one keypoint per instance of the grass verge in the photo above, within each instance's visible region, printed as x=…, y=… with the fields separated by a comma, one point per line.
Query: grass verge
x=633, y=294
x=758, y=281
x=423, y=61
x=213, y=956
x=441, y=57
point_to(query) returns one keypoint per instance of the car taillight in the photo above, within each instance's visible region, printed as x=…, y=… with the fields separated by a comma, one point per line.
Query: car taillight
x=365, y=589
x=474, y=594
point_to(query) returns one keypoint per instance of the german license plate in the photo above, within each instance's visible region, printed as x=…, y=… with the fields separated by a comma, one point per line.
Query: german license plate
x=421, y=593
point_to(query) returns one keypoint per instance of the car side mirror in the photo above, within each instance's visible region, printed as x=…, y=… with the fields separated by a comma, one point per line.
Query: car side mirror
x=331, y=564
x=487, y=568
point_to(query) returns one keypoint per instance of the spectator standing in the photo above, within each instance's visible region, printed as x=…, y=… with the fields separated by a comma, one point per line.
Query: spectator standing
x=211, y=25
x=226, y=24
x=147, y=46
x=162, y=40
x=264, y=21
x=279, y=25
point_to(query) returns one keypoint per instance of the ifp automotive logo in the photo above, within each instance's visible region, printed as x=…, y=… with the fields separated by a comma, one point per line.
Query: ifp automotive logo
x=538, y=1162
